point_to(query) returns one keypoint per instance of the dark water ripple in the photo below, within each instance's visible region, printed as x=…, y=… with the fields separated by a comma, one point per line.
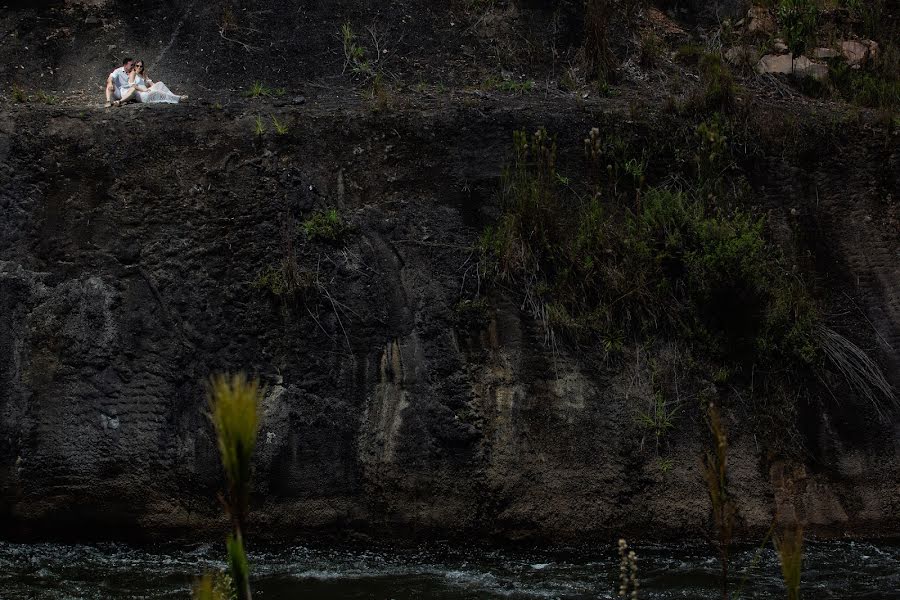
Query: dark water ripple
x=832, y=570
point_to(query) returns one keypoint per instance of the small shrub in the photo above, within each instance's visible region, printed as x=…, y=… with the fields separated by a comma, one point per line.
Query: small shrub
x=471, y=314
x=871, y=15
x=874, y=88
x=570, y=80
x=798, y=20
x=652, y=49
x=604, y=90
x=689, y=54
x=717, y=83
x=712, y=154
x=18, y=94
x=284, y=280
x=45, y=98
x=598, y=15
x=862, y=373
x=354, y=54
x=272, y=280
x=660, y=418
x=380, y=97
x=325, y=225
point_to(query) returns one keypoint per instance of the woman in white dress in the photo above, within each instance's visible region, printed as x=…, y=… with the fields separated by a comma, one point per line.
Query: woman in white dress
x=149, y=92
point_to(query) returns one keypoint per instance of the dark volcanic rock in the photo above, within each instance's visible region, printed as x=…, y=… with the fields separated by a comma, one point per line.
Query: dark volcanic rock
x=134, y=245
x=129, y=271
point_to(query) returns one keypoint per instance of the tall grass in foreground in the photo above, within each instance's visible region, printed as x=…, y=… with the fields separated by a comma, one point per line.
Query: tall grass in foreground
x=790, y=552
x=628, y=579
x=233, y=410
x=724, y=509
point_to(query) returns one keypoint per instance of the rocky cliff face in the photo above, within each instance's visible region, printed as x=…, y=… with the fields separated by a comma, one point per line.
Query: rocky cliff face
x=134, y=248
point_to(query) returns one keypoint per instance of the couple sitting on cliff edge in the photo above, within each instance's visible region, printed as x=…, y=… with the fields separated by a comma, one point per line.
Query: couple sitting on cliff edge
x=130, y=83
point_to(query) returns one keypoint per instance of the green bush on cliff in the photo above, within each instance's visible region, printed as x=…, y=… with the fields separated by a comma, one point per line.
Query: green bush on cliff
x=664, y=260
x=284, y=280
x=325, y=225
x=874, y=88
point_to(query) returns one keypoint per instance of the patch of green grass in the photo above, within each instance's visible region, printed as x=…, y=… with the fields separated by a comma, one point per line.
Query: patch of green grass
x=280, y=128
x=44, y=98
x=509, y=85
x=325, y=225
x=259, y=127
x=18, y=94
x=261, y=90
x=272, y=280
x=659, y=419
x=284, y=280
x=604, y=89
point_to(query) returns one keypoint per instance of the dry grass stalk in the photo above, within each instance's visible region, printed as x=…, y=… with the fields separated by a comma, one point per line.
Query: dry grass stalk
x=789, y=545
x=724, y=509
x=861, y=372
x=628, y=579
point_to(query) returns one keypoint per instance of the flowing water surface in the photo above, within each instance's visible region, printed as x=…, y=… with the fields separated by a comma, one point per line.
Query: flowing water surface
x=839, y=570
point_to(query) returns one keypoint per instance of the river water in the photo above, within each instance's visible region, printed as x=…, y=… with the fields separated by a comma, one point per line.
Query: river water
x=839, y=570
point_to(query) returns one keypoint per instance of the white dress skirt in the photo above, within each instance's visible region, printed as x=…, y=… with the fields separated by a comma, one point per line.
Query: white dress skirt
x=156, y=93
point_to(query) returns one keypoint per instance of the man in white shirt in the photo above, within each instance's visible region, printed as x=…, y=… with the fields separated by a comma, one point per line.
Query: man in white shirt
x=117, y=85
